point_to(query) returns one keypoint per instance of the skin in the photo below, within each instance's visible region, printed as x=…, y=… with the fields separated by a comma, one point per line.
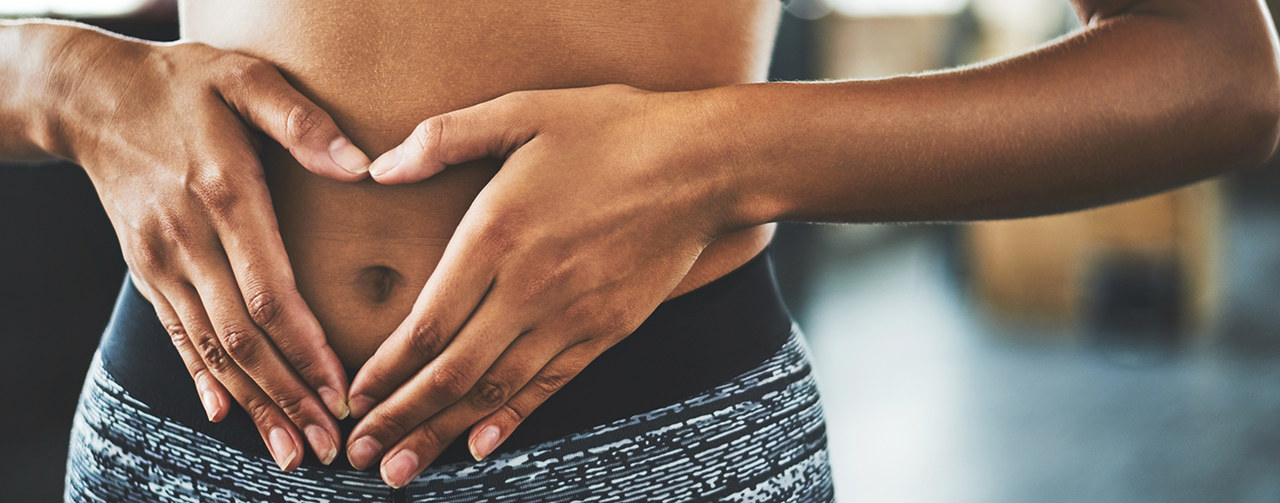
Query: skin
x=609, y=197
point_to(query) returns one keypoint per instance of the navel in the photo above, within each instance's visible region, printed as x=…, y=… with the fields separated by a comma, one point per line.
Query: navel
x=377, y=282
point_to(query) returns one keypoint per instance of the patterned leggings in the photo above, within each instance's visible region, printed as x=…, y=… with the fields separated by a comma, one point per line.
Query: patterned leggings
x=757, y=438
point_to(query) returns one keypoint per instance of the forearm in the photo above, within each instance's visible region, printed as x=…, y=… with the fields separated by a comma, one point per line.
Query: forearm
x=28, y=51
x=1130, y=106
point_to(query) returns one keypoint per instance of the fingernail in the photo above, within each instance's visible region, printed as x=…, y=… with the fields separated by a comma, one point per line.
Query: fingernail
x=385, y=162
x=324, y=445
x=333, y=400
x=346, y=155
x=398, y=470
x=361, y=405
x=362, y=452
x=210, y=402
x=281, y=447
x=485, y=442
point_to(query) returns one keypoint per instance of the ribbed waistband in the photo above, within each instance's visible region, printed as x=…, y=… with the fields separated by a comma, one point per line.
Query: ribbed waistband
x=688, y=345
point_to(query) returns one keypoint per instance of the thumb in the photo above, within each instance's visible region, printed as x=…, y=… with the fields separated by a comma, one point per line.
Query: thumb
x=264, y=99
x=494, y=128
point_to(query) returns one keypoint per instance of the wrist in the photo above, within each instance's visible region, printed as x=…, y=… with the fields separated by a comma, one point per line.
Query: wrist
x=735, y=159
x=30, y=64
x=61, y=57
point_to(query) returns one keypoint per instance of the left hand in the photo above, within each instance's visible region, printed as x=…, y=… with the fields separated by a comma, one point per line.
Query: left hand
x=602, y=205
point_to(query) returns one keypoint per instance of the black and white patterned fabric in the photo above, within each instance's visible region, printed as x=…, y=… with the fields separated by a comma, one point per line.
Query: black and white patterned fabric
x=758, y=438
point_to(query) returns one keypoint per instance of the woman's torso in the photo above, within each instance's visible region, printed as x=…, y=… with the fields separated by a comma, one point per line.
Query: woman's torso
x=361, y=252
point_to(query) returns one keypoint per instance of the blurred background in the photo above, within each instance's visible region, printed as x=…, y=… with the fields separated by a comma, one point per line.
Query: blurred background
x=1126, y=354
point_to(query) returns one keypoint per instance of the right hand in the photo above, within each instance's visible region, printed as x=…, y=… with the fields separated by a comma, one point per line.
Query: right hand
x=163, y=130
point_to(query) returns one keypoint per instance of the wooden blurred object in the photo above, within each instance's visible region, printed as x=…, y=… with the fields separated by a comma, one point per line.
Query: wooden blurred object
x=1039, y=267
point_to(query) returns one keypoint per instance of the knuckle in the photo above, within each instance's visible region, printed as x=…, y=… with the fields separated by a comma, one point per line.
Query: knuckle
x=488, y=394
x=214, y=192
x=264, y=308
x=379, y=382
x=304, y=122
x=172, y=227
x=427, y=338
x=291, y=404
x=213, y=355
x=161, y=233
x=391, y=423
x=449, y=381
x=305, y=366
x=239, y=70
x=242, y=343
x=430, y=438
x=591, y=319
x=177, y=333
x=202, y=375
x=500, y=235
x=511, y=414
x=260, y=409
x=147, y=254
x=583, y=314
x=429, y=132
x=549, y=381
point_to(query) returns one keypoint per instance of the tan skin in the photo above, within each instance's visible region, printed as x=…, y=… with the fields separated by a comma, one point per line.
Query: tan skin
x=610, y=199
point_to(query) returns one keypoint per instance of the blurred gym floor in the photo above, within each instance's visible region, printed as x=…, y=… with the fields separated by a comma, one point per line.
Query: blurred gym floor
x=930, y=400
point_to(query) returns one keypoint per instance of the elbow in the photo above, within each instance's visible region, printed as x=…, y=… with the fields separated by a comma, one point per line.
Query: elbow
x=1260, y=129
x=1251, y=95
x=1228, y=104
x=1254, y=124
x=1233, y=123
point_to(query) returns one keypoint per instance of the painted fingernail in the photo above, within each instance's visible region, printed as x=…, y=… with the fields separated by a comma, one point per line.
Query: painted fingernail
x=485, y=442
x=361, y=405
x=324, y=445
x=210, y=402
x=333, y=400
x=362, y=452
x=349, y=157
x=398, y=470
x=385, y=162
x=281, y=447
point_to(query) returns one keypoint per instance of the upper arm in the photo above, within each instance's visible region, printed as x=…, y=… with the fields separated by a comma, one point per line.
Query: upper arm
x=1095, y=11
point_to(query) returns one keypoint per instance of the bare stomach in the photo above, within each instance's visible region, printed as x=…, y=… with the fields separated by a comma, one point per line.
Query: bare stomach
x=361, y=252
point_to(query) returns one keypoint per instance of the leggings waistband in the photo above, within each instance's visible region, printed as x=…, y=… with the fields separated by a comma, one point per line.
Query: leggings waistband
x=688, y=345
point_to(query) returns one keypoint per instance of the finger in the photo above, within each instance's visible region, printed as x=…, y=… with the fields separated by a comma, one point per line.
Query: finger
x=246, y=224
x=421, y=446
x=459, y=283
x=257, y=357
x=279, y=434
x=438, y=385
x=257, y=91
x=213, y=396
x=492, y=431
x=494, y=128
